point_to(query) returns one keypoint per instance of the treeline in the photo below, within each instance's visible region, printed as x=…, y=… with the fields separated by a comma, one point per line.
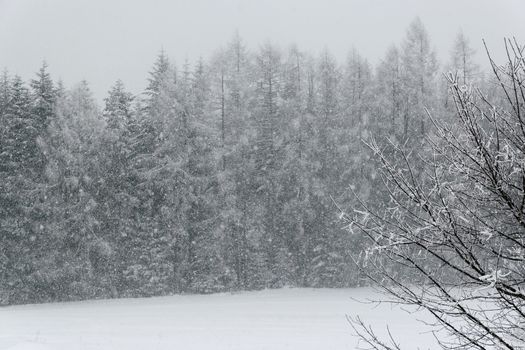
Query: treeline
x=226, y=175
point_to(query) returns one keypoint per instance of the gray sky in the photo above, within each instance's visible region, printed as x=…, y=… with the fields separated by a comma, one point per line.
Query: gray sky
x=103, y=40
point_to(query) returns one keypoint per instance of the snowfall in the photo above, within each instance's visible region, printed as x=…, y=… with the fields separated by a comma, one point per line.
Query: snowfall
x=303, y=319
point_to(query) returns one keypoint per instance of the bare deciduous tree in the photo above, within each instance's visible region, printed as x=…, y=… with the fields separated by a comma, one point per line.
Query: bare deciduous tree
x=451, y=240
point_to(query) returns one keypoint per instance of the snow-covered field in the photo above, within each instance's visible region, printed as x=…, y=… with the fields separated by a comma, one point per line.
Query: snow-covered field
x=301, y=319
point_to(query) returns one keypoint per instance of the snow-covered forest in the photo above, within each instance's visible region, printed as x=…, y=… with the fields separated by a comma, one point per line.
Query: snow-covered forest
x=269, y=168
x=226, y=174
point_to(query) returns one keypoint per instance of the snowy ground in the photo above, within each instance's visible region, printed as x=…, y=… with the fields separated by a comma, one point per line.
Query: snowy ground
x=302, y=319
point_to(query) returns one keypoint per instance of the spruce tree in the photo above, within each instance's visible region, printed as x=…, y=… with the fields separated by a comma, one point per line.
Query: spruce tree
x=22, y=213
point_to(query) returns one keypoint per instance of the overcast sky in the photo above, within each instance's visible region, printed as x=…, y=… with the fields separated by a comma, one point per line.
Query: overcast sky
x=103, y=40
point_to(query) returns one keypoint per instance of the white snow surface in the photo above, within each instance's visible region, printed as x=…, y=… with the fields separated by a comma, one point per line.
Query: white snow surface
x=302, y=319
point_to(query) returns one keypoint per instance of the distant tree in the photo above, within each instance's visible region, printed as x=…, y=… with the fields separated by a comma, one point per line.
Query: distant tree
x=238, y=61
x=23, y=214
x=419, y=69
x=462, y=61
x=118, y=107
x=357, y=104
x=324, y=248
x=74, y=173
x=157, y=154
x=389, y=113
x=118, y=188
x=200, y=89
x=206, y=271
x=22, y=128
x=356, y=165
x=161, y=72
x=296, y=170
x=43, y=96
x=268, y=157
x=5, y=91
x=230, y=93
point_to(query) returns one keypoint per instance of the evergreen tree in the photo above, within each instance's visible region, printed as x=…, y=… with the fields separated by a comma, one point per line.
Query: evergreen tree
x=324, y=251
x=22, y=213
x=462, y=61
x=269, y=154
x=74, y=175
x=5, y=93
x=118, y=107
x=297, y=170
x=419, y=66
x=390, y=118
x=43, y=96
x=118, y=188
x=229, y=70
x=153, y=243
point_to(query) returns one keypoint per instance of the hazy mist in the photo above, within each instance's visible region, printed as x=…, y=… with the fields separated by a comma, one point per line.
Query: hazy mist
x=101, y=41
